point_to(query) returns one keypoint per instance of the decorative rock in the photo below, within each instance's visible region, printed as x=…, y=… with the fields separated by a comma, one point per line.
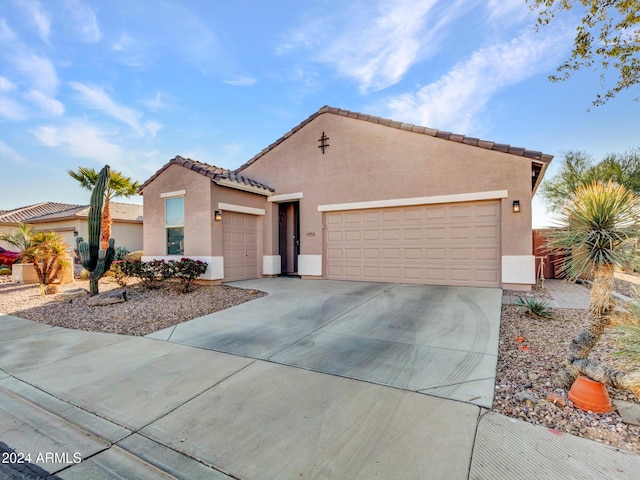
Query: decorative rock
x=525, y=397
x=630, y=412
x=108, y=298
x=557, y=399
x=71, y=294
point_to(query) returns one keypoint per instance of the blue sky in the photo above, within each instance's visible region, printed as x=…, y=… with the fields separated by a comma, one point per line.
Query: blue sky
x=133, y=83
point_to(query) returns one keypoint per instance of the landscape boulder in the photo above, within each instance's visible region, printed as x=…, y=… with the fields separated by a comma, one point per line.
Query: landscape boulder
x=108, y=298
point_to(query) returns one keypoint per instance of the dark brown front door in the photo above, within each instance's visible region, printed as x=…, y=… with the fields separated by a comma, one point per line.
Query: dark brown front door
x=289, y=233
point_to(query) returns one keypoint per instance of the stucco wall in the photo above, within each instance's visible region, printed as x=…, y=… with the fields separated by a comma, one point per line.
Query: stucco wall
x=367, y=162
x=231, y=196
x=198, y=212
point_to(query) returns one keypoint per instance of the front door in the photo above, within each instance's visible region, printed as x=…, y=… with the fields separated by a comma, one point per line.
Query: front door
x=289, y=233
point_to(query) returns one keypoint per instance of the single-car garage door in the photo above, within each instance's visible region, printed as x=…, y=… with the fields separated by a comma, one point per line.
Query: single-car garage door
x=239, y=246
x=445, y=244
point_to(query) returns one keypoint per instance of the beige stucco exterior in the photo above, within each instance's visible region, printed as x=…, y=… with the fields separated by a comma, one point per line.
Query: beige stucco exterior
x=365, y=165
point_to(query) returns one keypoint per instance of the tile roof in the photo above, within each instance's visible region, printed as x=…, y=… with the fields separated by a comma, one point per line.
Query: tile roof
x=51, y=211
x=119, y=212
x=22, y=214
x=476, y=142
x=216, y=174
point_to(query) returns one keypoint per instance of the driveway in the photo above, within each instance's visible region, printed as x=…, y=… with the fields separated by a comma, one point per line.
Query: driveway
x=438, y=340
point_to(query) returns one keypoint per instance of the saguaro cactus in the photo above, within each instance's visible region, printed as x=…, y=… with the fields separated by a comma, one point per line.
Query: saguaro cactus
x=96, y=260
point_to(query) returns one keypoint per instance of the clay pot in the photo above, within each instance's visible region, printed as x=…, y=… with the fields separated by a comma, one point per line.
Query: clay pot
x=589, y=395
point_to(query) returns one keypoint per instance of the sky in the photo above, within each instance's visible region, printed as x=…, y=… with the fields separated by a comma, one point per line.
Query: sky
x=133, y=83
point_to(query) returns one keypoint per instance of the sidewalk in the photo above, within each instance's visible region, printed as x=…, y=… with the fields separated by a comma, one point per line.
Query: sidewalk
x=140, y=408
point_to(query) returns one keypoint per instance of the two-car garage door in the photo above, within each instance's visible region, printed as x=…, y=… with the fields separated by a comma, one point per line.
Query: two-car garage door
x=446, y=244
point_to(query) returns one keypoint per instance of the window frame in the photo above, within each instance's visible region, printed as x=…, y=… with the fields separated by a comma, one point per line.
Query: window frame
x=168, y=227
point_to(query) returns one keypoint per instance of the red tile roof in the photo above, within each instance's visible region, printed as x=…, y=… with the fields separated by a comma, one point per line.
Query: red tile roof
x=214, y=173
x=52, y=211
x=22, y=214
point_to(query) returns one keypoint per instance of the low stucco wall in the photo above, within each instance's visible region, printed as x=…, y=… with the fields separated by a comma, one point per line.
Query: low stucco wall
x=25, y=273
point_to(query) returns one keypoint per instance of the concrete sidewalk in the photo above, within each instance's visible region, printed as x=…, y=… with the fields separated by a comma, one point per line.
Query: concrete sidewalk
x=99, y=406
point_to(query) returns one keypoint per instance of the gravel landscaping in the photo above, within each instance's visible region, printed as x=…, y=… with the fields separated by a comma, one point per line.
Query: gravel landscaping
x=144, y=312
x=530, y=350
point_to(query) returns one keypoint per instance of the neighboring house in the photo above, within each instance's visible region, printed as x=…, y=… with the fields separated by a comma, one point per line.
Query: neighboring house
x=347, y=196
x=70, y=221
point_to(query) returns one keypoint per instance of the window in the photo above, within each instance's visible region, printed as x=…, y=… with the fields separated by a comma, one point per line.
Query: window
x=174, y=224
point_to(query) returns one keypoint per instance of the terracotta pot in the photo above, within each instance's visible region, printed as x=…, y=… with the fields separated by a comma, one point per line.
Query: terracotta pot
x=589, y=395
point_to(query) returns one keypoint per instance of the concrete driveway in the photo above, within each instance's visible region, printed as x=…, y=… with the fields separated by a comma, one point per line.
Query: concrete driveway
x=430, y=339
x=102, y=406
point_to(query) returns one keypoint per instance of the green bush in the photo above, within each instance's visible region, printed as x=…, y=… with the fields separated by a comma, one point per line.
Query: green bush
x=5, y=270
x=187, y=270
x=534, y=307
x=121, y=253
x=154, y=272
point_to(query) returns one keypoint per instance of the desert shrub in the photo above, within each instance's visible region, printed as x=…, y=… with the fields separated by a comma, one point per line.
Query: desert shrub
x=121, y=253
x=629, y=336
x=187, y=270
x=154, y=272
x=4, y=270
x=534, y=307
x=120, y=272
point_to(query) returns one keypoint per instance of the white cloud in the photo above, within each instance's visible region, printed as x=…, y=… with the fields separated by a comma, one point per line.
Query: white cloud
x=39, y=71
x=39, y=17
x=8, y=153
x=10, y=108
x=95, y=97
x=456, y=99
x=241, y=81
x=46, y=103
x=80, y=139
x=379, y=43
x=6, y=34
x=84, y=21
x=511, y=11
x=158, y=102
x=6, y=85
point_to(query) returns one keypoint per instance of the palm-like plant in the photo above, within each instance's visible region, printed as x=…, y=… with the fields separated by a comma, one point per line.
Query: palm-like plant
x=20, y=237
x=47, y=251
x=119, y=186
x=600, y=226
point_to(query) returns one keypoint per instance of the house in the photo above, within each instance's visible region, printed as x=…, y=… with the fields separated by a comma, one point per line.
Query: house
x=71, y=221
x=348, y=196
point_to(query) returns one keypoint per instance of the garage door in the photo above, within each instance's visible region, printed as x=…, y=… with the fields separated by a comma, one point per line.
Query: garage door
x=239, y=246
x=448, y=244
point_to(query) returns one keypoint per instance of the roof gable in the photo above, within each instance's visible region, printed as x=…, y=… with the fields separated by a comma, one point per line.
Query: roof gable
x=220, y=176
x=539, y=160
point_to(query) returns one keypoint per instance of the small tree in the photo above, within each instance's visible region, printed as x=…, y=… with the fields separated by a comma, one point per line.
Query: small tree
x=579, y=169
x=600, y=226
x=607, y=38
x=47, y=251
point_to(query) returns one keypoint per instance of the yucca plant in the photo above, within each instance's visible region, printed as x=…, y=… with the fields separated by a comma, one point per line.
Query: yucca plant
x=534, y=307
x=599, y=228
x=629, y=339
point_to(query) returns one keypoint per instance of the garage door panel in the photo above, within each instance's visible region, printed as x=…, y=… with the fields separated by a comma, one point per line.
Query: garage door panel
x=239, y=246
x=457, y=244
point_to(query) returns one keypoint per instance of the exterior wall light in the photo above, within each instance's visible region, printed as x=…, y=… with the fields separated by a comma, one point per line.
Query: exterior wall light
x=75, y=233
x=516, y=206
x=218, y=215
